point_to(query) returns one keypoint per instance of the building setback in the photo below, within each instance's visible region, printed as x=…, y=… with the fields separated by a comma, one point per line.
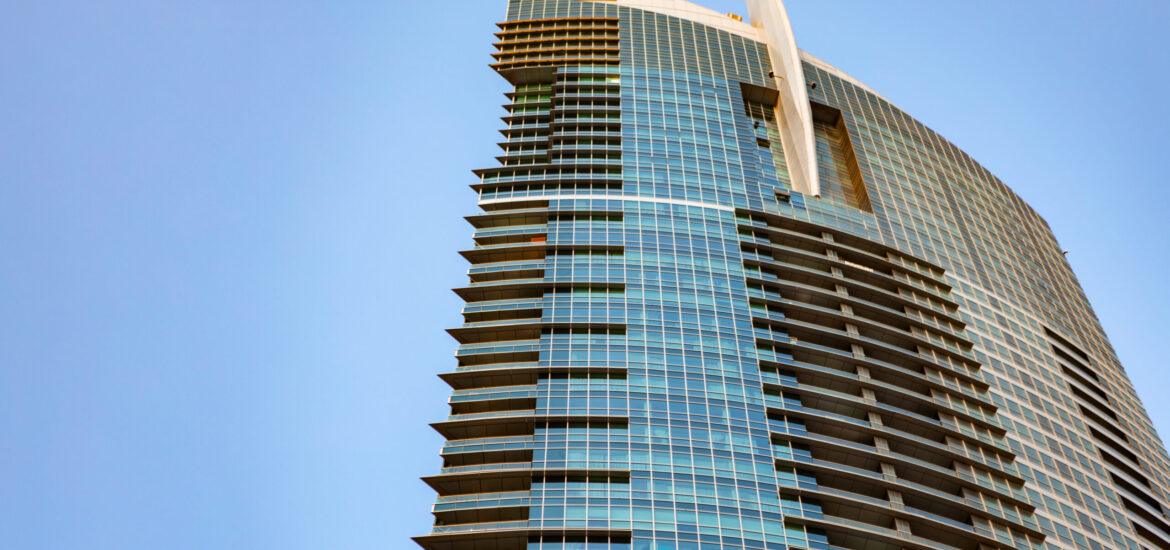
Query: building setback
x=723, y=295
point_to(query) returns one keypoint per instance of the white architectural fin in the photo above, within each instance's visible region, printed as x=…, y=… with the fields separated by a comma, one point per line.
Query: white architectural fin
x=792, y=110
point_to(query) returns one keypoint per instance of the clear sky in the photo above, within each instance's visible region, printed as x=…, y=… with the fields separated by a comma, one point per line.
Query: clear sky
x=228, y=230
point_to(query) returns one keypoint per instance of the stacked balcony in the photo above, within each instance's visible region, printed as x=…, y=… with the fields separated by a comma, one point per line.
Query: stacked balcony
x=562, y=136
x=532, y=49
x=1138, y=496
x=504, y=398
x=883, y=431
x=564, y=118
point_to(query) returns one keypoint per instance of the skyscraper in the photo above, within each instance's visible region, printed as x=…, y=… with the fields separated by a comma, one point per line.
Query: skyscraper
x=723, y=295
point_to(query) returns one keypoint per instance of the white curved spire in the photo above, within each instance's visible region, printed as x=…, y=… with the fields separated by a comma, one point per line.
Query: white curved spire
x=792, y=110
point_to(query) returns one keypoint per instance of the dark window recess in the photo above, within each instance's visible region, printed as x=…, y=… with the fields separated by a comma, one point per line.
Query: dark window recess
x=837, y=167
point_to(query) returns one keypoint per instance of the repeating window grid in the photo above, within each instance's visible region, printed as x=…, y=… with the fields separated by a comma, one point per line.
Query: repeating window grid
x=997, y=272
x=920, y=235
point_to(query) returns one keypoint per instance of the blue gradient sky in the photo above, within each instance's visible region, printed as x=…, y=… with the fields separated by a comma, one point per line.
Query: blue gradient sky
x=228, y=234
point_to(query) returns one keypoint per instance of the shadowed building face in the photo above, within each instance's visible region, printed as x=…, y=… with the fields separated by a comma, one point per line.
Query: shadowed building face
x=723, y=295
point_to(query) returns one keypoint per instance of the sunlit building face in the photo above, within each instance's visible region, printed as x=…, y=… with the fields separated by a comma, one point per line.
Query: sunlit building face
x=722, y=295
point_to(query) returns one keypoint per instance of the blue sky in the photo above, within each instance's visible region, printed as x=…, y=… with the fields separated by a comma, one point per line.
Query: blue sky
x=228, y=231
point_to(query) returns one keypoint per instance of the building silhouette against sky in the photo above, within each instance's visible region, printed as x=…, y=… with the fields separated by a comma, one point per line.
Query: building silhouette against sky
x=723, y=295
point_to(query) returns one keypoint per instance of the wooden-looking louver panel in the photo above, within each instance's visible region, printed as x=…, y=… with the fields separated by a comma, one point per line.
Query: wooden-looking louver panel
x=530, y=49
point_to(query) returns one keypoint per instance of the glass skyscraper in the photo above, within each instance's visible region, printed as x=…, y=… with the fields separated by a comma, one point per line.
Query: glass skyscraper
x=723, y=295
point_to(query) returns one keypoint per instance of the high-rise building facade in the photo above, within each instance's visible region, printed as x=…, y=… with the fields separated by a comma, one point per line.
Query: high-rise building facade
x=723, y=295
